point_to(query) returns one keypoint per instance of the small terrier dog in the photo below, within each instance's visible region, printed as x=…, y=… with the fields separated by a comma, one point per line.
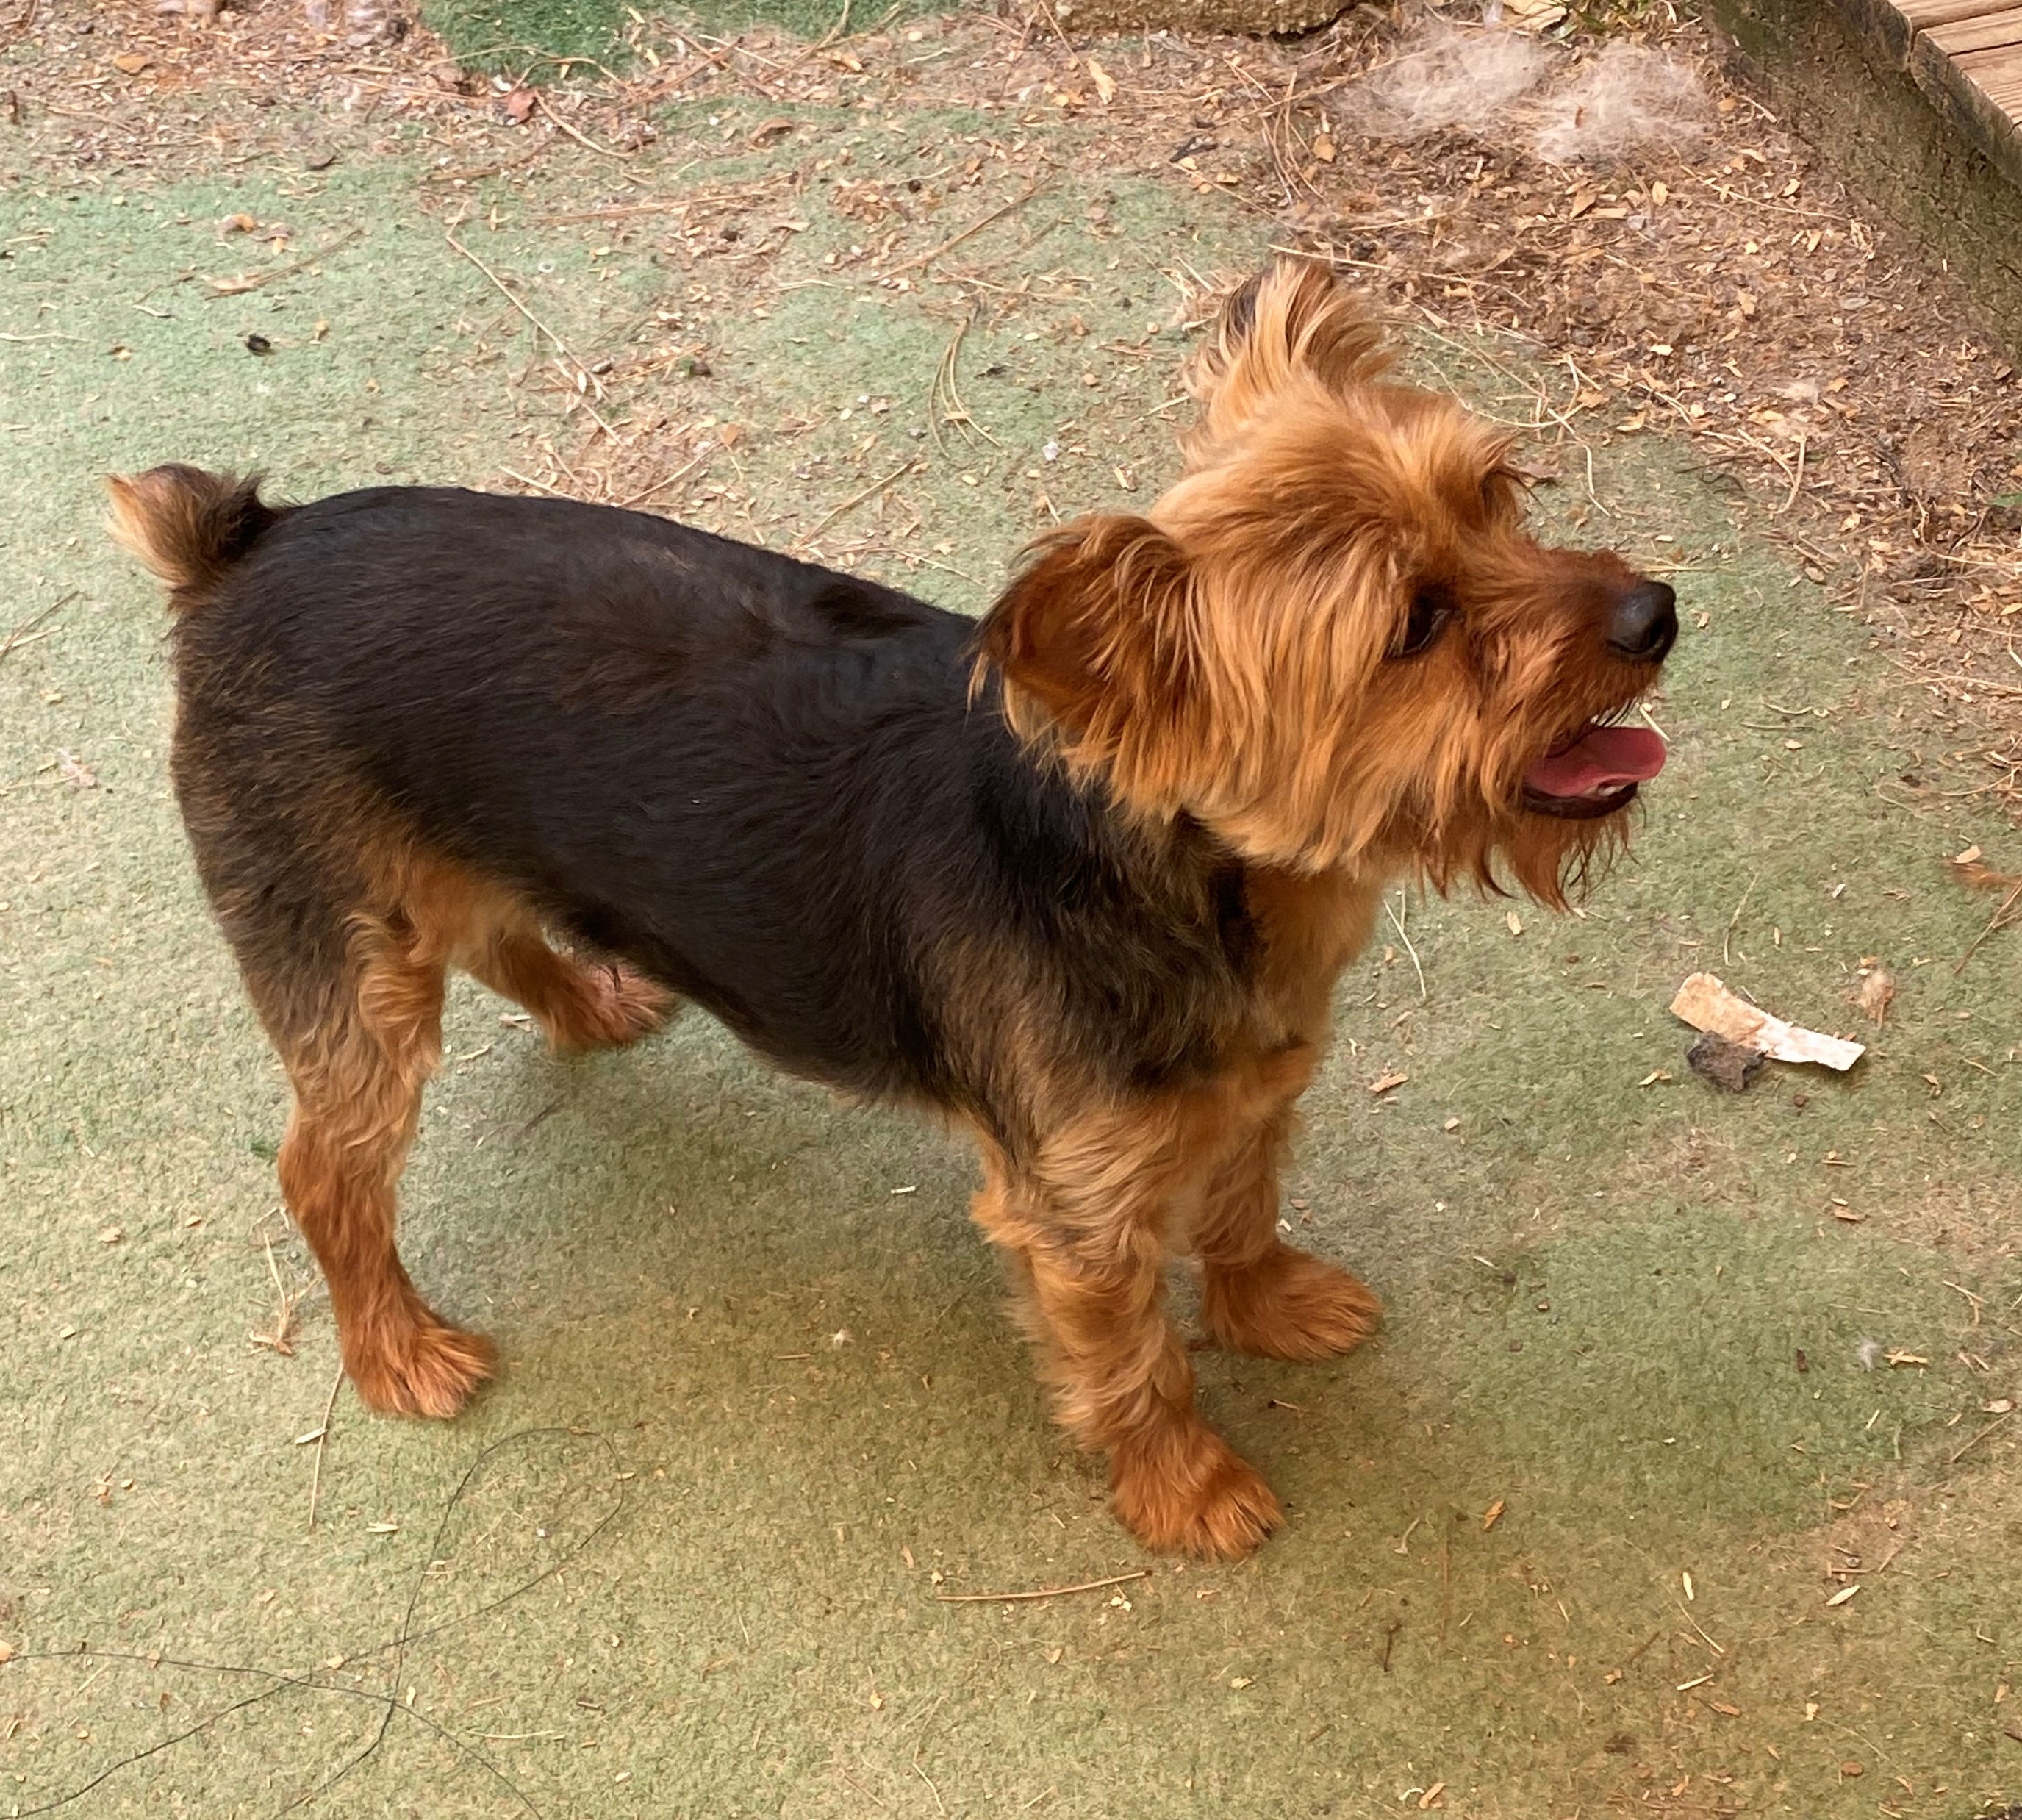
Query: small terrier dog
x=1079, y=878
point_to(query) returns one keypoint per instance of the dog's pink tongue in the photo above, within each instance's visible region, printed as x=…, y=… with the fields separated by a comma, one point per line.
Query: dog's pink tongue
x=1602, y=758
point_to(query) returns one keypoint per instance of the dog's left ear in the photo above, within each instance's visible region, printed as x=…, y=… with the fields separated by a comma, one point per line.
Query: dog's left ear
x=1294, y=321
x=1093, y=633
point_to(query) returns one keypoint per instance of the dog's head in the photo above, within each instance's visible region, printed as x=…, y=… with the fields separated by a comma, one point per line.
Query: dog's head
x=1332, y=641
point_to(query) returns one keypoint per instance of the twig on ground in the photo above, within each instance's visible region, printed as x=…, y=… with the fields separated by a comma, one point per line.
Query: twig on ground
x=1998, y=920
x=855, y=500
x=499, y=284
x=1960, y=1453
x=1726, y=957
x=1397, y=923
x=664, y=482
x=25, y=633
x=540, y=102
x=976, y=227
x=1040, y=1592
x=322, y=1440
x=255, y=280
x=284, y=1317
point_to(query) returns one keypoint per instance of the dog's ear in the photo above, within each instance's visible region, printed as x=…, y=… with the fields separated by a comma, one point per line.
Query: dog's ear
x=1093, y=633
x=1294, y=321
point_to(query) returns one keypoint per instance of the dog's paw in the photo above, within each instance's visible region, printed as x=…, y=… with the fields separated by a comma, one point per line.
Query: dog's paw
x=613, y=1007
x=1291, y=1306
x=1193, y=1494
x=425, y=1368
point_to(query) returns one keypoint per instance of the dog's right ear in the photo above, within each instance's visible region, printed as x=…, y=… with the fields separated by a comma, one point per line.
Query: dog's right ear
x=1093, y=639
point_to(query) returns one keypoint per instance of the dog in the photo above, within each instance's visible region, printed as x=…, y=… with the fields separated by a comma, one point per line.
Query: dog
x=1077, y=878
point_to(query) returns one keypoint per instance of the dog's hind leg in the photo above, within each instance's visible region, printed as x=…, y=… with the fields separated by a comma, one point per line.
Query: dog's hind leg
x=579, y=1004
x=343, y=950
x=1259, y=1295
x=358, y=1047
x=1086, y=1224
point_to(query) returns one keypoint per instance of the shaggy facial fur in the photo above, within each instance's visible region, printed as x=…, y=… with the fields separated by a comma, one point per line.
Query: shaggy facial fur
x=1080, y=880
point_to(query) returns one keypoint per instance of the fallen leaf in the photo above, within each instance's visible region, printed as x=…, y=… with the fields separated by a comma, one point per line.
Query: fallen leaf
x=1384, y=1084
x=1722, y=1706
x=1493, y=1516
x=1324, y=148
x=1877, y=987
x=1431, y=1797
x=1844, y=1594
x=766, y=133
x=131, y=63
x=1516, y=923
x=1706, y=1004
x=519, y=106
x=76, y=774
x=1105, y=84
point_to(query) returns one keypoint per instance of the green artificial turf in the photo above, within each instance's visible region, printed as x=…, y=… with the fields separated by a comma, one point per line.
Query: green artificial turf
x=760, y=1407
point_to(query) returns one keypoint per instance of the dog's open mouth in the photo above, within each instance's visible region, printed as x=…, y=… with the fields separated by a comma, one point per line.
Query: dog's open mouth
x=1594, y=774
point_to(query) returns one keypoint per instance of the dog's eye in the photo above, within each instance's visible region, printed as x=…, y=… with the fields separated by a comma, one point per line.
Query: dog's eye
x=1432, y=605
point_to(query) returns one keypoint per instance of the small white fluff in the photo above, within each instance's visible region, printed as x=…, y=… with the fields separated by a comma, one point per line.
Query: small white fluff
x=1627, y=97
x=1446, y=75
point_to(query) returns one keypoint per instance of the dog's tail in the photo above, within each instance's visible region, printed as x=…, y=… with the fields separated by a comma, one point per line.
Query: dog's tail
x=188, y=526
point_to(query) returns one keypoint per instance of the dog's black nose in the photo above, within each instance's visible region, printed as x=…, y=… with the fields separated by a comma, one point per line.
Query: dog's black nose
x=1645, y=624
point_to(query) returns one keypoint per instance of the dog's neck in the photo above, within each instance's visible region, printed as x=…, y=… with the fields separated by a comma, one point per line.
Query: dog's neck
x=1312, y=925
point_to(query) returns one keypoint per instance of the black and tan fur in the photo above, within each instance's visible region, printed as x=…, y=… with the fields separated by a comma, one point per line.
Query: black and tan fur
x=1080, y=879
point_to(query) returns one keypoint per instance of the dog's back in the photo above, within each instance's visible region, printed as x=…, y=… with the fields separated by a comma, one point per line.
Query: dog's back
x=762, y=784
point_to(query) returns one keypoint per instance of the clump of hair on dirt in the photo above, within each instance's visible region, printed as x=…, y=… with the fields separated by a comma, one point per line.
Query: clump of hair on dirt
x=1445, y=75
x=1628, y=96
x=1502, y=83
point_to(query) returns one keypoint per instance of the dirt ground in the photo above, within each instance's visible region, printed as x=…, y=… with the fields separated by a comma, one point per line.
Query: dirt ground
x=1684, y=1476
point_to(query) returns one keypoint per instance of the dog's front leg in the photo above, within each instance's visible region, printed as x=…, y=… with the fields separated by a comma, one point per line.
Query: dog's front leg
x=1259, y=1295
x=1087, y=1223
